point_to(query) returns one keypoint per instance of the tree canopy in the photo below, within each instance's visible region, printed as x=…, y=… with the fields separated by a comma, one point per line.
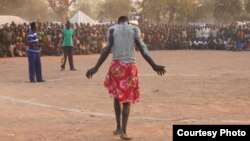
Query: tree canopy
x=112, y=9
x=29, y=9
x=157, y=11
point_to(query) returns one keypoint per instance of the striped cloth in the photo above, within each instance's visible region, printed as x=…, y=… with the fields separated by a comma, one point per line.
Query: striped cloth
x=33, y=37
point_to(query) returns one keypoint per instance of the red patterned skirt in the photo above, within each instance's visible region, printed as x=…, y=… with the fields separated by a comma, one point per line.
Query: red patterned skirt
x=122, y=82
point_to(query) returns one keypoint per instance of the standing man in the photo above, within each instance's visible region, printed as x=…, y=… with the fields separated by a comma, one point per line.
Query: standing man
x=35, y=68
x=67, y=46
x=122, y=78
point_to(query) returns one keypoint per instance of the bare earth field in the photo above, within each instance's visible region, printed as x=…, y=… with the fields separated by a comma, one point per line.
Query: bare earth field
x=200, y=87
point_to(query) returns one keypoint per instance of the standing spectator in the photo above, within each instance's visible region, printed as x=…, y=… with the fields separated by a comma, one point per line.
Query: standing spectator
x=35, y=68
x=68, y=36
x=9, y=41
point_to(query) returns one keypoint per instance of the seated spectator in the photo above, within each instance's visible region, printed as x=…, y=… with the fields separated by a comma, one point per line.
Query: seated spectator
x=195, y=44
x=240, y=45
x=12, y=49
x=248, y=44
x=184, y=43
x=231, y=45
x=216, y=43
x=221, y=44
x=20, y=48
x=200, y=43
x=2, y=50
x=204, y=43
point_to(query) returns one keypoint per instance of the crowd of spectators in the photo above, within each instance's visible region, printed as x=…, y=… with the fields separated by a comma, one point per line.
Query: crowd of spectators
x=91, y=39
x=88, y=39
x=206, y=36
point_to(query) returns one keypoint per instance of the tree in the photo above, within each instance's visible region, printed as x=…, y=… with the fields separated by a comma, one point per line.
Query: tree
x=247, y=5
x=29, y=9
x=225, y=9
x=112, y=9
x=168, y=10
x=186, y=10
x=153, y=10
x=61, y=7
x=89, y=7
x=204, y=11
x=84, y=6
x=7, y=6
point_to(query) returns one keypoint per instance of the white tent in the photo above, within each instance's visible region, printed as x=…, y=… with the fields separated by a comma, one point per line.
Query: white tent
x=80, y=17
x=8, y=19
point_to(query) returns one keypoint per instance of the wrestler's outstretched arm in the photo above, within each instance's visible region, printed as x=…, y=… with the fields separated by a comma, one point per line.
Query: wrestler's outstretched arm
x=144, y=51
x=104, y=55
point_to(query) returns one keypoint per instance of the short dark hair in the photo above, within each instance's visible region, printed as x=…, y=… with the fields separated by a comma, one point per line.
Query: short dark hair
x=123, y=19
x=68, y=24
x=33, y=25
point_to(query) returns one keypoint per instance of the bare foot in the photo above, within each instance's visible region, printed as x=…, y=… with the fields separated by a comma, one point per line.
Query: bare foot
x=125, y=137
x=117, y=132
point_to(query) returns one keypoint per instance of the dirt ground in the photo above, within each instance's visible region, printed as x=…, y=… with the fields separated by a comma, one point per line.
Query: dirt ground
x=200, y=87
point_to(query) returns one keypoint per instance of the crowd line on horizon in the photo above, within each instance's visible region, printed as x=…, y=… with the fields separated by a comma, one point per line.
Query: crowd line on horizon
x=90, y=39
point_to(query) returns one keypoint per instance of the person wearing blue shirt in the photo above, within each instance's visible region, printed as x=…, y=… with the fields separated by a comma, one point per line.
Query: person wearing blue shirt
x=33, y=53
x=240, y=45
